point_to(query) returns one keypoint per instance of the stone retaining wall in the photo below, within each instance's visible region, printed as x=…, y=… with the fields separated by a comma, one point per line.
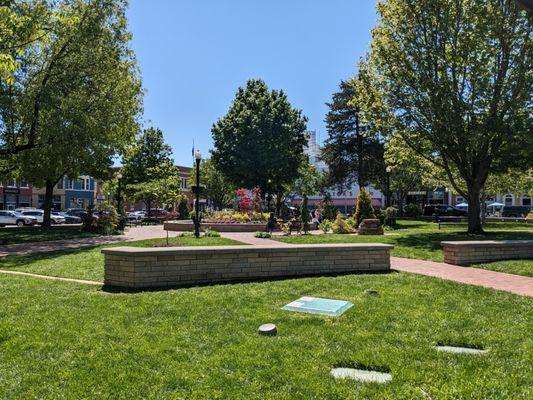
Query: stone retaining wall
x=142, y=268
x=187, y=226
x=472, y=252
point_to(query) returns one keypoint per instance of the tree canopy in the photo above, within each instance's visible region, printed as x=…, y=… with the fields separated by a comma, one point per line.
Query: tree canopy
x=260, y=141
x=75, y=99
x=455, y=86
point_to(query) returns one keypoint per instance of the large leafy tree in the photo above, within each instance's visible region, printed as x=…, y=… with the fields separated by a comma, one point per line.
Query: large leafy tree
x=353, y=150
x=454, y=77
x=84, y=107
x=148, y=170
x=260, y=141
x=147, y=152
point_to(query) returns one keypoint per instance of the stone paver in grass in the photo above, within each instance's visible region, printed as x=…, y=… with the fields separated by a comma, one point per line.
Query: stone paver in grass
x=460, y=350
x=317, y=305
x=361, y=375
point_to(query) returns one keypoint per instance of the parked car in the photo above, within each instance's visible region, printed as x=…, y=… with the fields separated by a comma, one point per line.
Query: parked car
x=136, y=216
x=444, y=210
x=516, y=211
x=81, y=213
x=69, y=219
x=16, y=218
x=39, y=214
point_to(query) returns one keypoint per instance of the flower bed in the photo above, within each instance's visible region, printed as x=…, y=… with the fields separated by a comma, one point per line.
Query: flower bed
x=232, y=217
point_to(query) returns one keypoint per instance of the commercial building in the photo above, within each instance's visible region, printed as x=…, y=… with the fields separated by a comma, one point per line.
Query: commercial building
x=14, y=195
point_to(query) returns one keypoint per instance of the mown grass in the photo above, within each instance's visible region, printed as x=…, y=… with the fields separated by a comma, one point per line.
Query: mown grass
x=88, y=263
x=421, y=240
x=517, y=267
x=67, y=341
x=35, y=234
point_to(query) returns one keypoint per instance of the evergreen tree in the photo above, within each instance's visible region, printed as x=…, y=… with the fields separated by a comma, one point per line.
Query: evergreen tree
x=305, y=216
x=364, y=209
x=352, y=151
x=329, y=211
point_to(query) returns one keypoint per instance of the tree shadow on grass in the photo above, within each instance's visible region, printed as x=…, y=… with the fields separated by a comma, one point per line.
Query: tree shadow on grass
x=431, y=241
x=18, y=260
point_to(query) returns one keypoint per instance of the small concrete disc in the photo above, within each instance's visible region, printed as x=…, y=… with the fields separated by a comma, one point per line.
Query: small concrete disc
x=371, y=292
x=361, y=375
x=268, y=330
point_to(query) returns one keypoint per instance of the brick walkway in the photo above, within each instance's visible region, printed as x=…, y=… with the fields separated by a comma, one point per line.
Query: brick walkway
x=135, y=233
x=521, y=285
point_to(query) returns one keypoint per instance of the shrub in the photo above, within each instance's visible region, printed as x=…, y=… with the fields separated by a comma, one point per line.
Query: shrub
x=244, y=201
x=412, y=210
x=211, y=233
x=329, y=211
x=364, y=208
x=108, y=218
x=352, y=224
x=326, y=225
x=263, y=235
x=186, y=234
x=305, y=217
x=389, y=216
x=183, y=207
x=340, y=225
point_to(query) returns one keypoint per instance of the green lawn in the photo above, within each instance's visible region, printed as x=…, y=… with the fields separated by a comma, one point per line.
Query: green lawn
x=88, y=263
x=421, y=240
x=26, y=235
x=67, y=341
x=517, y=267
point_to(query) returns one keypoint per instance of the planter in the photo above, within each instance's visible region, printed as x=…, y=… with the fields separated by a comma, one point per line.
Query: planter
x=188, y=226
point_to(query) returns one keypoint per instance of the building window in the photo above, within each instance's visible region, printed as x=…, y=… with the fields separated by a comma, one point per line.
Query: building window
x=508, y=199
x=24, y=184
x=184, y=183
x=60, y=184
x=24, y=201
x=70, y=184
x=459, y=199
x=12, y=183
x=526, y=200
x=85, y=183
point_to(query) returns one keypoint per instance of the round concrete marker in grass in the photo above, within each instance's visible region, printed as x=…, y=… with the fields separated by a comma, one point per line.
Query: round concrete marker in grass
x=370, y=292
x=460, y=350
x=268, y=330
x=361, y=375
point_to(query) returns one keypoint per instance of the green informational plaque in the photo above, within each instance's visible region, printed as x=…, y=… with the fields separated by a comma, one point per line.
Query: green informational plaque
x=317, y=305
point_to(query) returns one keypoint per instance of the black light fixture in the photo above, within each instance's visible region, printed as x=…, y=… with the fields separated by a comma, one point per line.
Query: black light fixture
x=197, y=219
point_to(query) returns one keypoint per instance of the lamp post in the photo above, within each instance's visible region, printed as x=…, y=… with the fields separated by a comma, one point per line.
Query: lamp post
x=119, y=205
x=197, y=190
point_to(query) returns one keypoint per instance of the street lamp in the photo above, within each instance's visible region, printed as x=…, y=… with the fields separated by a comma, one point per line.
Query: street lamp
x=196, y=190
x=119, y=197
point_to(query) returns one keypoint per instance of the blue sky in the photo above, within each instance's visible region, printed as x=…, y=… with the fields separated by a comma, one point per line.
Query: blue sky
x=193, y=56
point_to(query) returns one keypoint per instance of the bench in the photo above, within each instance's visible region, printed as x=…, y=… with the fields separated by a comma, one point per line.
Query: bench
x=472, y=252
x=145, y=268
x=443, y=221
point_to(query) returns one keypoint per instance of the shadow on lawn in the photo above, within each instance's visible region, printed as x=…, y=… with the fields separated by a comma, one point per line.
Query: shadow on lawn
x=431, y=241
x=18, y=260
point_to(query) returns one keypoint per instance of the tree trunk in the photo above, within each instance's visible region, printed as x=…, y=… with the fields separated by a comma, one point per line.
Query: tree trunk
x=278, y=205
x=474, y=211
x=47, y=206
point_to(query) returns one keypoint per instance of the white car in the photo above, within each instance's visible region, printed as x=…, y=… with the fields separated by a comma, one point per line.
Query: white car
x=39, y=215
x=16, y=218
x=136, y=215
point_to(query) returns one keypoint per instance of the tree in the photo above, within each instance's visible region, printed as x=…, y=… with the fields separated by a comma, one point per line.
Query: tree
x=260, y=141
x=329, y=211
x=88, y=101
x=454, y=79
x=217, y=187
x=147, y=153
x=353, y=150
x=161, y=187
x=364, y=209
